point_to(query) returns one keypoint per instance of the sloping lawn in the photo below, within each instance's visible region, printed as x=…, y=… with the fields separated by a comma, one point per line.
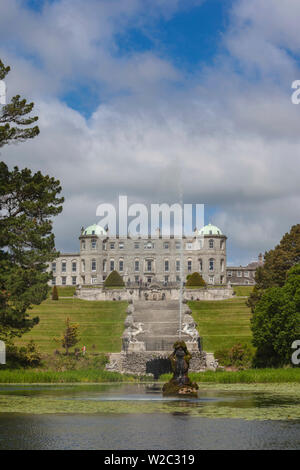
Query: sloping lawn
x=100, y=324
x=223, y=323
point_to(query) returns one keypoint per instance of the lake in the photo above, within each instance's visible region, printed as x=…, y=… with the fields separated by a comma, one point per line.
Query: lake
x=137, y=416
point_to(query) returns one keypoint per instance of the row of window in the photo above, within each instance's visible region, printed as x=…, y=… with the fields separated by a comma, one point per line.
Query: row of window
x=137, y=279
x=148, y=245
x=238, y=273
x=148, y=266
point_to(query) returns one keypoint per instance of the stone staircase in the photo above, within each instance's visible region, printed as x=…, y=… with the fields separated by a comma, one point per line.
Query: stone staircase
x=160, y=320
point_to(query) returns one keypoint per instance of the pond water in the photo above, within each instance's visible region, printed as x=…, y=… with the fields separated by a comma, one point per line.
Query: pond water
x=137, y=416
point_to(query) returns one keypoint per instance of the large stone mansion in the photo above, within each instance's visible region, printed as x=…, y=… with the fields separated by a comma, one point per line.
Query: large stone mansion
x=144, y=260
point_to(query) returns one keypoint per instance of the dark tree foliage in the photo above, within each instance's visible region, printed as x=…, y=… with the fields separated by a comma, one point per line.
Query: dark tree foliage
x=15, y=114
x=54, y=293
x=276, y=322
x=195, y=280
x=277, y=262
x=114, y=280
x=28, y=202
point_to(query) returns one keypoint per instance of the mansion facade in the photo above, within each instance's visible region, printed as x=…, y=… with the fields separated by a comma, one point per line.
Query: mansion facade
x=144, y=260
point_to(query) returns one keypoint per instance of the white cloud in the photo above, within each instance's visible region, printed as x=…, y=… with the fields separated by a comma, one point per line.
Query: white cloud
x=234, y=136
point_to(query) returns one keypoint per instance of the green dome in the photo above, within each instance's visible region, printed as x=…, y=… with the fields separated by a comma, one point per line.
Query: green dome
x=94, y=230
x=210, y=230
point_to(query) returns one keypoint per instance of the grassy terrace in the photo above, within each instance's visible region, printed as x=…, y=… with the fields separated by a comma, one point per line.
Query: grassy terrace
x=222, y=324
x=100, y=323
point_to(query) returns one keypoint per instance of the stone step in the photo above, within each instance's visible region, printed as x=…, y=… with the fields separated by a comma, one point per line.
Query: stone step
x=156, y=304
x=162, y=343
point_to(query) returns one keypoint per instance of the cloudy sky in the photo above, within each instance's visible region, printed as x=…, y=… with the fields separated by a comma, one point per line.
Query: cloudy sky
x=137, y=97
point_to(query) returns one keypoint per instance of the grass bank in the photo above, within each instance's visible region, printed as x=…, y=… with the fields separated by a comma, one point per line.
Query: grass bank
x=249, y=376
x=68, y=376
x=101, y=324
x=222, y=323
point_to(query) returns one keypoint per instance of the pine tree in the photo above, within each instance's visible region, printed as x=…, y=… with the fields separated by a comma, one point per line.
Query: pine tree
x=54, y=293
x=15, y=124
x=70, y=336
x=28, y=202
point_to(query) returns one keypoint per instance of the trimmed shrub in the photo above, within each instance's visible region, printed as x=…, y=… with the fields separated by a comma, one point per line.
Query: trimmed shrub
x=54, y=293
x=114, y=280
x=195, y=280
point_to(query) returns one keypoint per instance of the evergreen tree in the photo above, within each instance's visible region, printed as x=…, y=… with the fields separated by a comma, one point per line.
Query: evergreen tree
x=27, y=202
x=54, y=293
x=15, y=124
x=70, y=336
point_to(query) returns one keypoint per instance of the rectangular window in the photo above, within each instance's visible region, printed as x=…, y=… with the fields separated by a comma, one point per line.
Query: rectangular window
x=121, y=265
x=166, y=279
x=229, y=273
x=64, y=280
x=93, y=279
x=53, y=281
x=83, y=245
x=63, y=267
x=239, y=274
x=166, y=245
x=149, y=265
x=136, y=245
x=54, y=267
x=189, y=246
x=166, y=265
x=73, y=280
x=94, y=265
x=136, y=278
x=189, y=266
x=74, y=267
x=112, y=265
x=121, y=246
x=94, y=244
x=177, y=265
x=246, y=274
x=178, y=245
x=112, y=246
x=211, y=280
x=177, y=278
x=136, y=265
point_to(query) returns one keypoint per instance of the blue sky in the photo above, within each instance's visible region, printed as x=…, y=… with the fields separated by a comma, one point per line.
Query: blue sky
x=138, y=96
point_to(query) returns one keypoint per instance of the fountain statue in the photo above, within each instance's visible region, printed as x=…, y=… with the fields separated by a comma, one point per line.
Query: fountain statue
x=180, y=383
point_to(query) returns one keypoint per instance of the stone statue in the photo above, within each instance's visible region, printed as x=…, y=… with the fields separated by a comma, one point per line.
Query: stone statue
x=180, y=384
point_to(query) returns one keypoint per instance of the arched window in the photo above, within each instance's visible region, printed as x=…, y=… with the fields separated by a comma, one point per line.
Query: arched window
x=136, y=265
x=63, y=266
x=222, y=244
x=189, y=265
x=211, y=243
x=94, y=265
x=222, y=265
x=121, y=265
x=200, y=265
x=74, y=266
x=211, y=264
x=112, y=264
x=166, y=265
x=104, y=265
x=83, y=265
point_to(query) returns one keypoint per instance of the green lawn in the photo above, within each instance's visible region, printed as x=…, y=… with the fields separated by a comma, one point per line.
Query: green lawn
x=242, y=290
x=101, y=323
x=222, y=323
